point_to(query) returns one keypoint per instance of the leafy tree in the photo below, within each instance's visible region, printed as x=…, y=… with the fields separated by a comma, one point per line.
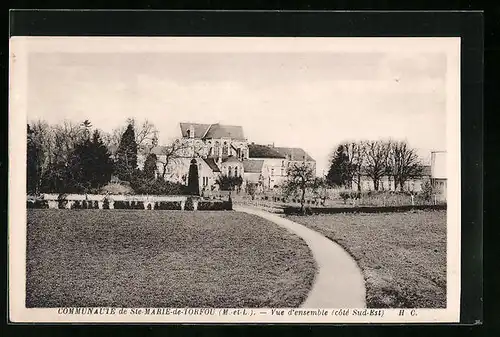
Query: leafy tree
x=150, y=166
x=300, y=178
x=193, y=187
x=319, y=188
x=340, y=172
x=100, y=165
x=126, y=155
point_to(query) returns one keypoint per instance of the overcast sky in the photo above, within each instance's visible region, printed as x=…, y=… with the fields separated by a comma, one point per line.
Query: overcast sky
x=297, y=98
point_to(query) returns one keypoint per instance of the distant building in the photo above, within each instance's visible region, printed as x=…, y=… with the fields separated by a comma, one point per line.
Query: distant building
x=386, y=183
x=224, y=150
x=439, y=175
x=276, y=161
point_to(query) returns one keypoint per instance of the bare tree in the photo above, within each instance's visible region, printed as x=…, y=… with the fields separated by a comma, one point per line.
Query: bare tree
x=300, y=178
x=355, y=153
x=44, y=137
x=171, y=153
x=404, y=163
x=377, y=160
x=146, y=136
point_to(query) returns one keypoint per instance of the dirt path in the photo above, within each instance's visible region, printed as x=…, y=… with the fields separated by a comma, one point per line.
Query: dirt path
x=339, y=282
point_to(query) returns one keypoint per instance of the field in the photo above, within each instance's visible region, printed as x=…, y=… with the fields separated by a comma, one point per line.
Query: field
x=133, y=258
x=402, y=255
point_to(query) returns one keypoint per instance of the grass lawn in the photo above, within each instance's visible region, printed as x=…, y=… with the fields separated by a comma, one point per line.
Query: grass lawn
x=134, y=258
x=402, y=255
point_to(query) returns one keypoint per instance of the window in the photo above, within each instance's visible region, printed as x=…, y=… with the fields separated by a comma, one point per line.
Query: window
x=224, y=149
x=236, y=171
x=188, y=132
x=238, y=153
x=216, y=149
x=272, y=171
x=230, y=171
x=283, y=163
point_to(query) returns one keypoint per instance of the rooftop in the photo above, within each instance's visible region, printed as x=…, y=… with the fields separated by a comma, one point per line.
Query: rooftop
x=263, y=151
x=212, y=131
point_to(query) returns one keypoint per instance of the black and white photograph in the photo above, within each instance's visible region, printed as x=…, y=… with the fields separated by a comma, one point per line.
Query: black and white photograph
x=235, y=179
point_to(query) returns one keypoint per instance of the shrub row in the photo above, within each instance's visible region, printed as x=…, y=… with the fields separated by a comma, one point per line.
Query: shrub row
x=283, y=199
x=215, y=206
x=209, y=205
x=37, y=204
x=333, y=210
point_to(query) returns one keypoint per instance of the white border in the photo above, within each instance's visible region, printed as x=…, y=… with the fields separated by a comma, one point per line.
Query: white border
x=20, y=47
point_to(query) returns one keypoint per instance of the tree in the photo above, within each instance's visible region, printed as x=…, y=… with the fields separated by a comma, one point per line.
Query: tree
x=404, y=163
x=340, y=172
x=146, y=136
x=150, y=166
x=58, y=143
x=170, y=153
x=193, y=187
x=377, y=160
x=145, y=133
x=251, y=188
x=300, y=177
x=100, y=165
x=33, y=164
x=320, y=189
x=126, y=155
x=228, y=183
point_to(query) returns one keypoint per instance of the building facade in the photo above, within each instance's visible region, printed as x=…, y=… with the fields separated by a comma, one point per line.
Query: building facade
x=439, y=175
x=224, y=150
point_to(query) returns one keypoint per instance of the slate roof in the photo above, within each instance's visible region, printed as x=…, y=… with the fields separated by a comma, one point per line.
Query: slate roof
x=295, y=153
x=263, y=151
x=213, y=131
x=253, y=166
x=212, y=164
x=231, y=159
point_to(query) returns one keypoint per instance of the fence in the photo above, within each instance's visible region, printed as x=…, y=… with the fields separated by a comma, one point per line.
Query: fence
x=148, y=202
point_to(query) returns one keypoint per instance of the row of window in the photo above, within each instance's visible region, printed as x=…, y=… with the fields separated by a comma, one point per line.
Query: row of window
x=230, y=171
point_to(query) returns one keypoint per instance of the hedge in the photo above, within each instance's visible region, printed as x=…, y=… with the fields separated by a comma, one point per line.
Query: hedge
x=333, y=210
x=215, y=206
x=37, y=204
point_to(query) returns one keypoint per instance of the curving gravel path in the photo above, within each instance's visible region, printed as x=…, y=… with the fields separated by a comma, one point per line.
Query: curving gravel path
x=339, y=282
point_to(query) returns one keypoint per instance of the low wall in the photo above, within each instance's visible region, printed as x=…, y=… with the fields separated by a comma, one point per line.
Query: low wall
x=387, y=209
x=148, y=202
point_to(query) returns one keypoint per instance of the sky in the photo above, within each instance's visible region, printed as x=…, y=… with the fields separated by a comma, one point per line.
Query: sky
x=294, y=97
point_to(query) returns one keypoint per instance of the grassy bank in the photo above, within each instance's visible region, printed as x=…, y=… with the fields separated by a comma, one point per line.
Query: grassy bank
x=133, y=258
x=402, y=255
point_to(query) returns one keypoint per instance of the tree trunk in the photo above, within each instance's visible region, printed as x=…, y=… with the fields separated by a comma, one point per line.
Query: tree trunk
x=302, y=200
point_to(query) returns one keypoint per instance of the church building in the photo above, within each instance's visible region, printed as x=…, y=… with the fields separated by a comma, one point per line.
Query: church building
x=223, y=150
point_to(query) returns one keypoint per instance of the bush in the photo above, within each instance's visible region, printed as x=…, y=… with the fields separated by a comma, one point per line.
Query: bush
x=142, y=185
x=168, y=205
x=37, y=204
x=189, y=205
x=215, y=206
x=333, y=210
x=126, y=205
x=61, y=200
